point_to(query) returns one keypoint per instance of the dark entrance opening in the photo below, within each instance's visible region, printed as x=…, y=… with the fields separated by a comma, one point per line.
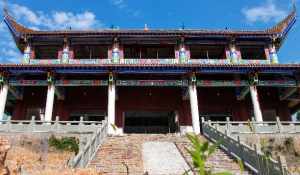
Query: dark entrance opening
x=221, y=117
x=87, y=116
x=150, y=122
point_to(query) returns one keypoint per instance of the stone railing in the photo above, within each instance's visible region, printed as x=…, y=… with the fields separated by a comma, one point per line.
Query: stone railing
x=49, y=126
x=252, y=158
x=250, y=127
x=86, y=154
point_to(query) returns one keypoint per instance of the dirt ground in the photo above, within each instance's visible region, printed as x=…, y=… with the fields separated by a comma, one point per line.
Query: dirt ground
x=31, y=155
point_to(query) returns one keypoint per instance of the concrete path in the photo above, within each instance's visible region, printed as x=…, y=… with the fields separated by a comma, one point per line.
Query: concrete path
x=163, y=158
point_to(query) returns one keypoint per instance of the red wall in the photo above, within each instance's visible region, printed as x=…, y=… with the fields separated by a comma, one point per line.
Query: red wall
x=76, y=99
x=151, y=99
x=211, y=100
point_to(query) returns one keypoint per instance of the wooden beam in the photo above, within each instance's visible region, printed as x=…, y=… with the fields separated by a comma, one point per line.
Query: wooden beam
x=60, y=93
x=243, y=93
x=287, y=93
x=17, y=93
x=159, y=83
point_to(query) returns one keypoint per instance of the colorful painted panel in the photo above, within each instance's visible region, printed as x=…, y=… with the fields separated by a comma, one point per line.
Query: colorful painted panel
x=174, y=83
x=149, y=61
x=43, y=61
x=221, y=83
x=254, y=62
x=28, y=83
x=81, y=83
x=209, y=61
x=277, y=83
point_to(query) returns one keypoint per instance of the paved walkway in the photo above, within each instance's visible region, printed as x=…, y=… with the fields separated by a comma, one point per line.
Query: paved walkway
x=163, y=158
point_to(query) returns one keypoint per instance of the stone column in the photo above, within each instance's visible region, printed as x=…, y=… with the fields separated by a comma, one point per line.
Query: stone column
x=194, y=108
x=111, y=107
x=50, y=102
x=256, y=105
x=3, y=98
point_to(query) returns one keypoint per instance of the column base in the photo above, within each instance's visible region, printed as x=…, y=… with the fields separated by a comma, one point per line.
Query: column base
x=186, y=129
x=115, y=131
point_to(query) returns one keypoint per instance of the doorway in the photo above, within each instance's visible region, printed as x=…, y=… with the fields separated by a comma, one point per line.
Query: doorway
x=150, y=122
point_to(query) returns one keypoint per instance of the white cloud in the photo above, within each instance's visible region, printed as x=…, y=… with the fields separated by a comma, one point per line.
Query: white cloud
x=266, y=12
x=55, y=20
x=121, y=4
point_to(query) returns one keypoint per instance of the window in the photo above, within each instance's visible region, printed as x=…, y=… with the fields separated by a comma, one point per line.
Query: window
x=208, y=52
x=47, y=52
x=253, y=52
x=148, y=52
x=90, y=52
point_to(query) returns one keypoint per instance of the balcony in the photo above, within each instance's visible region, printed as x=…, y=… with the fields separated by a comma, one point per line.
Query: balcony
x=134, y=61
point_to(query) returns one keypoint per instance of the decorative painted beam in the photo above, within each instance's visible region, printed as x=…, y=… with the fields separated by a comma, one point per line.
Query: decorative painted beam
x=288, y=93
x=17, y=93
x=81, y=83
x=221, y=83
x=277, y=83
x=242, y=93
x=162, y=83
x=28, y=83
x=59, y=83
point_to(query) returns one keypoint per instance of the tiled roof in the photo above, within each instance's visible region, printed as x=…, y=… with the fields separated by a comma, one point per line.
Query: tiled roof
x=280, y=30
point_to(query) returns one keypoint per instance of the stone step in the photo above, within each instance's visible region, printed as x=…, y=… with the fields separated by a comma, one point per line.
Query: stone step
x=123, y=155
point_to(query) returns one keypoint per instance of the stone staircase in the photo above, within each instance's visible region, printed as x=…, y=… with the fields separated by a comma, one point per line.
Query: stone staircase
x=123, y=155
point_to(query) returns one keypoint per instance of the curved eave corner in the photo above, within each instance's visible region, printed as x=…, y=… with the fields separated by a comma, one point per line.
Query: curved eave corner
x=284, y=26
x=16, y=29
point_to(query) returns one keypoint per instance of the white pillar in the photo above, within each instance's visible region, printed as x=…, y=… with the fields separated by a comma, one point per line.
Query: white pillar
x=49, y=102
x=256, y=105
x=3, y=98
x=111, y=111
x=194, y=108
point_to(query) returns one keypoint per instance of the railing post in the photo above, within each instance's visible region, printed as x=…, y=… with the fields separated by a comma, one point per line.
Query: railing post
x=283, y=165
x=228, y=128
x=240, y=148
x=258, y=160
x=279, y=126
x=8, y=124
x=32, y=123
x=56, y=124
x=209, y=122
x=253, y=124
x=81, y=123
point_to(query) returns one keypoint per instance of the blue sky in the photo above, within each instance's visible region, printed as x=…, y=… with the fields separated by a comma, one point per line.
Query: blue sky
x=90, y=14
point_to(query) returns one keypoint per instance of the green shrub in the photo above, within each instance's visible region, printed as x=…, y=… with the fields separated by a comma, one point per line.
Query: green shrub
x=200, y=152
x=65, y=144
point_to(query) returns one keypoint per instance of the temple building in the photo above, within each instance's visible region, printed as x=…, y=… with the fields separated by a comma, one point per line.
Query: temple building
x=150, y=81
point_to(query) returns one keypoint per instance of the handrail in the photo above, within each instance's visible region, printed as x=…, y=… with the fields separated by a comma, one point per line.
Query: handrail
x=248, y=127
x=252, y=158
x=49, y=126
x=84, y=156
